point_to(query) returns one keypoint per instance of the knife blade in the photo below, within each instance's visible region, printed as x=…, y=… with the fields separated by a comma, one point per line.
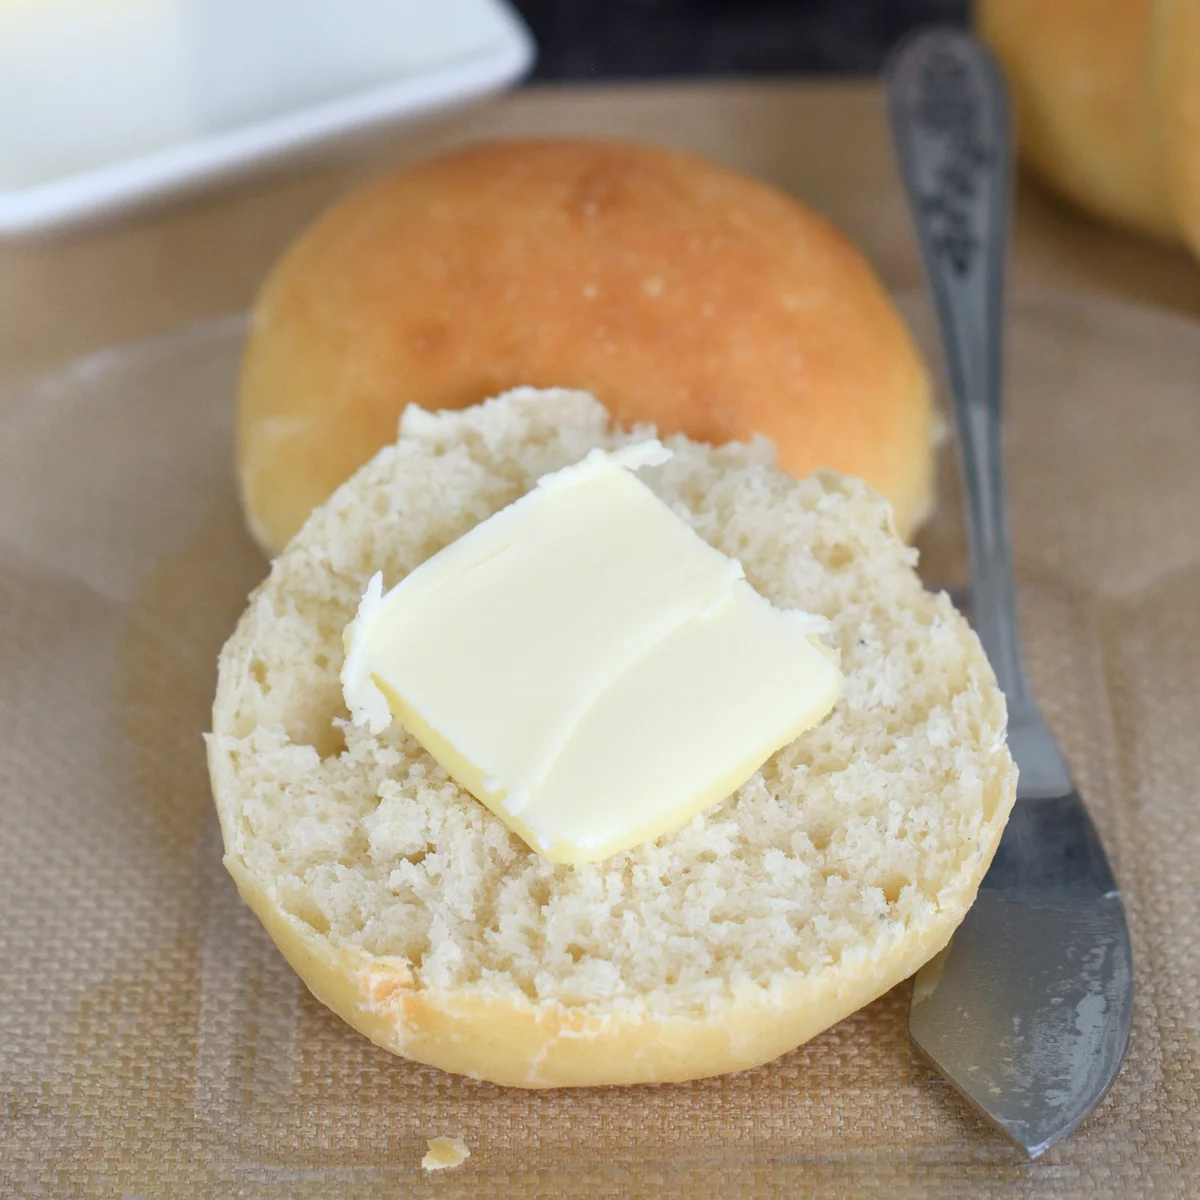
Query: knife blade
x=1027, y=1011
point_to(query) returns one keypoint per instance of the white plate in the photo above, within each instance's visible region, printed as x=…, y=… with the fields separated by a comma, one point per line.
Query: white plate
x=104, y=104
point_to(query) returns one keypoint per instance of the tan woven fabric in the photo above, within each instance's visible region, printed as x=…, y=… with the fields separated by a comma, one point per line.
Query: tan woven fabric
x=154, y=1043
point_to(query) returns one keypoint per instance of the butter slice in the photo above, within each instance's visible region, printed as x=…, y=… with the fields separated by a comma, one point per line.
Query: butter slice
x=586, y=665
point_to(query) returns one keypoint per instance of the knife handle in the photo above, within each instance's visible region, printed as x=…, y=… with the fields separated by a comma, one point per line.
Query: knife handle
x=949, y=118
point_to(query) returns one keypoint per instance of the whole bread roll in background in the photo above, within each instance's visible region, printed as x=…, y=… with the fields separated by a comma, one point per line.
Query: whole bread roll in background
x=678, y=292
x=1107, y=99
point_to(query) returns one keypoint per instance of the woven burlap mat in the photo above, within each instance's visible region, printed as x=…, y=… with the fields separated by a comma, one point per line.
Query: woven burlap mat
x=154, y=1043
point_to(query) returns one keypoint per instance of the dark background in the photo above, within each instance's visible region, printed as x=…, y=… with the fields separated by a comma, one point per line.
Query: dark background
x=649, y=39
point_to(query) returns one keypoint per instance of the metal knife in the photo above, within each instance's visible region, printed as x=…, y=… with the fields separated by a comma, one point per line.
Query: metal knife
x=1027, y=1011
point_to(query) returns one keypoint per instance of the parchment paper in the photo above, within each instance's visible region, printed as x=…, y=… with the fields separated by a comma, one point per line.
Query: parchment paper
x=154, y=1043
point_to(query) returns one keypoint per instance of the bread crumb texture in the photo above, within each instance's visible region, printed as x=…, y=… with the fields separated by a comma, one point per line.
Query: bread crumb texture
x=444, y=1153
x=868, y=828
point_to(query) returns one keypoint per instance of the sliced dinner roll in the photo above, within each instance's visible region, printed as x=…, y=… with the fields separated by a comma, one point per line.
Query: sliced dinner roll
x=677, y=291
x=409, y=908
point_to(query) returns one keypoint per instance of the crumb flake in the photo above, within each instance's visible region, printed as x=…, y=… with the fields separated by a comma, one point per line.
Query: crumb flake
x=444, y=1153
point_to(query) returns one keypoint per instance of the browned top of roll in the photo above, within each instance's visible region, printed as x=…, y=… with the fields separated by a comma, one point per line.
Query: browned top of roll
x=677, y=291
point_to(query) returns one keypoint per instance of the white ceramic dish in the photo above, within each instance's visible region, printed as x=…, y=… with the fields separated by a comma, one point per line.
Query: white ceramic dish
x=105, y=103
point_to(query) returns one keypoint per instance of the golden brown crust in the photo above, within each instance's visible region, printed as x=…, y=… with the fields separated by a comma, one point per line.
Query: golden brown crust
x=1080, y=73
x=679, y=292
x=1177, y=91
x=1107, y=98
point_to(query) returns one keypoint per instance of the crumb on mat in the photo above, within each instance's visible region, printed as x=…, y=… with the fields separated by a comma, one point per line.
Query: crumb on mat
x=445, y=1152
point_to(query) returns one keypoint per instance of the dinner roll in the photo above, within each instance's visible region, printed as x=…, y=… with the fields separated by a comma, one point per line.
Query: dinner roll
x=1107, y=98
x=677, y=291
x=413, y=912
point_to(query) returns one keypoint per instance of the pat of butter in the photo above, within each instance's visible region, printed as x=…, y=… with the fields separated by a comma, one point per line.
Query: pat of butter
x=586, y=665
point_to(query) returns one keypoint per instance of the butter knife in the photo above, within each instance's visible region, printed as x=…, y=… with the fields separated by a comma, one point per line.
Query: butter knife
x=1027, y=1011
